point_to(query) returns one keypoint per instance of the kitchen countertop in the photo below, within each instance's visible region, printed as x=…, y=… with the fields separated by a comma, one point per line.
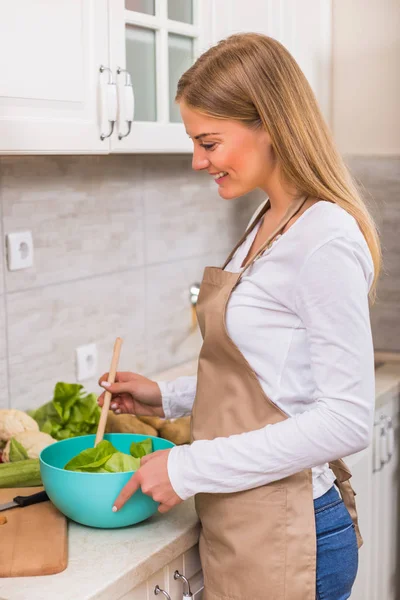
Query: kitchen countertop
x=105, y=563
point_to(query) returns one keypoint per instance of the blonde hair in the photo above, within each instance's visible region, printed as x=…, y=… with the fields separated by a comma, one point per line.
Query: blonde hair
x=253, y=79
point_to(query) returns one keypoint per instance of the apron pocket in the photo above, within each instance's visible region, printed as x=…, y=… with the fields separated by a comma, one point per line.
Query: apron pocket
x=243, y=547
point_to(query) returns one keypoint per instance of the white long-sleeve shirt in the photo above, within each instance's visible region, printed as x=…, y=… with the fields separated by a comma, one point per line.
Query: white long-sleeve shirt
x=300, y=317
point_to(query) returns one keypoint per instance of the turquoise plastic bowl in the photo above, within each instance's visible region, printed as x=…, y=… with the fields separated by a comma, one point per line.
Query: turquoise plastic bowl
x=88, y=498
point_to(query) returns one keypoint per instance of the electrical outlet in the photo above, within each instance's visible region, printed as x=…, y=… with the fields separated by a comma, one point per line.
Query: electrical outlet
x=86, y=362
x=19, y=250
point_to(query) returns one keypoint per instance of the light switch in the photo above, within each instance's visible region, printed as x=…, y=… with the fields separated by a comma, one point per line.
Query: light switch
x=19, y=250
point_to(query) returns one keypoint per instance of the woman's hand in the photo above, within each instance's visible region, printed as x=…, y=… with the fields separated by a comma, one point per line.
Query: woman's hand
x=152, y=477
x=133, y=394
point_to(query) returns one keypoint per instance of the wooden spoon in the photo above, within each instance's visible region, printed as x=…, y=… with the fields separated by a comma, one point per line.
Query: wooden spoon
x=107, y=396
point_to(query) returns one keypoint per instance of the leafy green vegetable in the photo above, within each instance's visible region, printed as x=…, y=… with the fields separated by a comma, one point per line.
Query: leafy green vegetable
x=105, y=458
x=120, y=462
x=70, y=413
x=91, y=458
x=139, y=449
x=17, y=451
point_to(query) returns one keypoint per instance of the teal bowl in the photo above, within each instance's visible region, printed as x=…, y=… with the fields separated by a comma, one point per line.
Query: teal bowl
x=88, y=498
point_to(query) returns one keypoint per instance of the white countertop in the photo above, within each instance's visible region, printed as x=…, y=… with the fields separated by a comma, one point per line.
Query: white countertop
x=105, y=563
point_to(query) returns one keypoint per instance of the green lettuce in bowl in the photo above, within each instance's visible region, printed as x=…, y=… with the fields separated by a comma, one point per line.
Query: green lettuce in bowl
x=105, y=458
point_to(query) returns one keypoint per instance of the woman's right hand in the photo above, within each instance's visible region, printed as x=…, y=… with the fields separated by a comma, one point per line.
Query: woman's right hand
x=133, y=394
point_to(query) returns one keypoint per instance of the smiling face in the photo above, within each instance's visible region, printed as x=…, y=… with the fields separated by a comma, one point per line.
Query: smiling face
x=240, y=159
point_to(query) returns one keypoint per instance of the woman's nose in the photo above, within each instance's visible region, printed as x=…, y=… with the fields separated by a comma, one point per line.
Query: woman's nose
x=199, y=160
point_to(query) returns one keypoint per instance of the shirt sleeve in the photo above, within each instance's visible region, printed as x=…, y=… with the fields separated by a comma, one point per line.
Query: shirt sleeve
x=178, y=396
x=331, y=301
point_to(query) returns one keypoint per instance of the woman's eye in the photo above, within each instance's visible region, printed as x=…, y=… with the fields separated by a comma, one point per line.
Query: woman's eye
x=207, y=146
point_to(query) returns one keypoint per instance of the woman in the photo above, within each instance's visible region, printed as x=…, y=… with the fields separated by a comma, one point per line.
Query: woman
x=285, y=383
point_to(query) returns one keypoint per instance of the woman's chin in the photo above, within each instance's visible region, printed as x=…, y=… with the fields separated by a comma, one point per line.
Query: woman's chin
x=229, y=193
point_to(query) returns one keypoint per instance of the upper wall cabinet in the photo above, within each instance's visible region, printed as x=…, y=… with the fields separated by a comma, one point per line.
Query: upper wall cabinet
x=304, y=28
x=100, y=76
x=152, y=42
x=52, y=94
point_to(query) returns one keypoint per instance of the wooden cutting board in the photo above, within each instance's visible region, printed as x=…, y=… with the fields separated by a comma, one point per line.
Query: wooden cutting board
x=34, y=539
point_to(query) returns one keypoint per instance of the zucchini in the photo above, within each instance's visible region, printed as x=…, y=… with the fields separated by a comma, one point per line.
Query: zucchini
x=23, y=473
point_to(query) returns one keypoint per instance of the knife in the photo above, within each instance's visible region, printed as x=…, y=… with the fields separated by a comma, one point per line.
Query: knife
x=25, y=500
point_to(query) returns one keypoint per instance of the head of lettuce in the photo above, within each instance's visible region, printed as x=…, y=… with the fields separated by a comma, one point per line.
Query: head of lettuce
x=70, y=413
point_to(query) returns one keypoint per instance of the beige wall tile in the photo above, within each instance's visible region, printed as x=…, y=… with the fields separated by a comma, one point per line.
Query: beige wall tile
x=85, y=214
x=3, y=357
x=170, y=340
x=379, y=180
x=47, y=324
x=184, y=214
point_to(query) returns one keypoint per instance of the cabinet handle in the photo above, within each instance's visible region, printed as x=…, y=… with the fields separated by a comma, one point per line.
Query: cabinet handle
x=187, y=595
x=390, y=437
x=129, y=101
x=111, y=101
x=377, y=462
x=158, y=590
x=383, y=445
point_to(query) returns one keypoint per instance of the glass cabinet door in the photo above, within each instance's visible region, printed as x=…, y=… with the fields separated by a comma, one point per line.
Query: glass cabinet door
x=152, y=43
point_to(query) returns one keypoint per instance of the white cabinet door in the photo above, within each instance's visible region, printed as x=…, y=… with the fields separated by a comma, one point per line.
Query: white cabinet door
x=50, y=55
x=307, y=34
x=152, y=43
x=304, y=28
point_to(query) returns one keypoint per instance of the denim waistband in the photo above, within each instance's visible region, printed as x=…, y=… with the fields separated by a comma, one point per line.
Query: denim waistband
x=329, y=497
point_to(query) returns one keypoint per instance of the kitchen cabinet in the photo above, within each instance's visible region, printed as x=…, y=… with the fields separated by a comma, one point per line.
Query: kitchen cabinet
x=99, y=76
x=187, y=564
x=52, y=94
x=304, y=28
x=151, y=44
x=76, y=74
x=375, y=479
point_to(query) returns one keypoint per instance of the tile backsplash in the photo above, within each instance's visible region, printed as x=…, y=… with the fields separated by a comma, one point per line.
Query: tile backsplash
x=118, y=240
x=379, y=181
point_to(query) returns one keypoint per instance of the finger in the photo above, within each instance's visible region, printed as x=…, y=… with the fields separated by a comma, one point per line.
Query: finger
x=117, y=388
x=127, y=491
x=163, y=508
x=104, y=377
x=147, y=457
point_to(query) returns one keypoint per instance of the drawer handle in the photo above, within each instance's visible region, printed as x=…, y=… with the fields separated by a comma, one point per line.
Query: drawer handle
x=158, y=590
x=187, y=595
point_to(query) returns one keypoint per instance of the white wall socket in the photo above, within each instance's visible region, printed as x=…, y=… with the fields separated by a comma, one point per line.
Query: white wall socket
x=19, y=250
x=86, y=362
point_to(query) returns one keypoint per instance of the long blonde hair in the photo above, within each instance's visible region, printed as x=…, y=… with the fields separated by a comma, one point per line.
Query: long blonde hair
x=253, y=79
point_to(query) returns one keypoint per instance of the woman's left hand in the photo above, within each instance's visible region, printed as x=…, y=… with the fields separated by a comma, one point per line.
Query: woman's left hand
x=152, y=477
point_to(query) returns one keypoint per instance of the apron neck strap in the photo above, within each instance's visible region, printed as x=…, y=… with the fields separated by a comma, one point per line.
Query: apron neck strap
x=248, y=231
x=292, y=210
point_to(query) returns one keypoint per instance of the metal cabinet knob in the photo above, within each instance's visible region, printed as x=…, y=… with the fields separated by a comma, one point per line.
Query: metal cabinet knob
x=187, y=594
x=158, y=590
x=129, y=101
x=111, y=101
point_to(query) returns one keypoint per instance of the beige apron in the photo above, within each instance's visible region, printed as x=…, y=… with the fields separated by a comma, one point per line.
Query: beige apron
x=258, y=544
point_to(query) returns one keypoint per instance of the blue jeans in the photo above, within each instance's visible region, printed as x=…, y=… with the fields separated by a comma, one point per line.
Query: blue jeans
x=337, y=552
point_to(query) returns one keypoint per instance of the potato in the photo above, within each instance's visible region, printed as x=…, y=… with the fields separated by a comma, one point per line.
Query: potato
x=155, y=422
x=128, y=424
x=177, y=431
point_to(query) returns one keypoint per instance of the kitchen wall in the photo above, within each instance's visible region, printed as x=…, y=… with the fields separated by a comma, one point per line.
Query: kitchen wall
x=379, y=180
x=118, y=241
x=366, y=76
x=366, y=127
